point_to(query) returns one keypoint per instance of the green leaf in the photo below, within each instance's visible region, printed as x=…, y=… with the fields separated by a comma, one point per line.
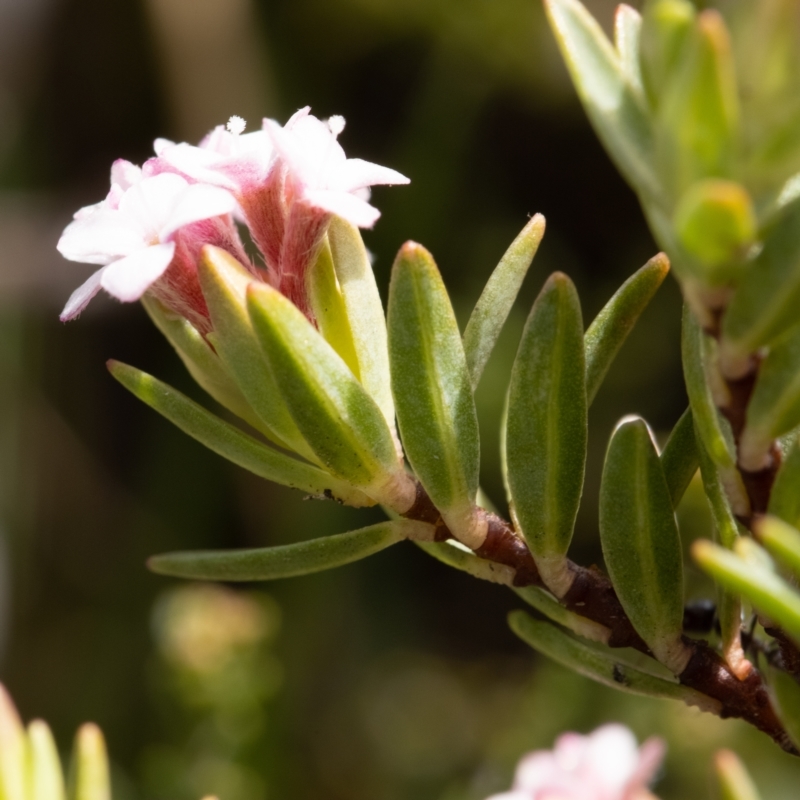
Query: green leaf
x=754, y=579
x=679, y=459
x=13, y=751
x=331, y=409
x=733, y=779
x=666, y=25
x=612, y=102
x=202, y=362
x=606, y=666
x=459, y=556
x=289, y=560
x=627, y=36
x=784, y=501
x=231, y=443
x=546, y=604
x=640, y=541
x=456, y=555
x=701, y=373
x=364, y=309
x=714, y=487
x=46, y=780
x=611, y=326
x=433, y=392
x=546, y=430
x=698, y=118
x=716, y=225
x=496, y=300
x=729, y=604
x=89, y=773
x=766, y=301
x=224, y=282
x=774, y=407
x=328, y=306
x=785, y=693
x=781, y=540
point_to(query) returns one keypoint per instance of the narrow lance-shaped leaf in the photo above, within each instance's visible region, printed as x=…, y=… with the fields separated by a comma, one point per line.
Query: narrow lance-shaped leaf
x=459, y=556
x=224, y=281
x=729, y=603
x=46, y=779
x=456, y=555
x=781, y=540
x=765, y=589
x=679, y=458
x=231, y=443
x=13, y=753
x=546, y=430
x=765, y=304
x=433, y=392
x=202, y=362
x=784, y=501
x=497, y=298
x=666, y=25
x=627, y=36
x=89, y=773
x=613, y=104
x=610, y=328
x=698, y=118
x=365, y=315
x=601, y=664
x=328, y=307
x=785, y=694
x=774, y=408
x=332, y=410
x=640, y=541
x=289, y=560
x=733, y=779
x=546, y=604
x=713, y=430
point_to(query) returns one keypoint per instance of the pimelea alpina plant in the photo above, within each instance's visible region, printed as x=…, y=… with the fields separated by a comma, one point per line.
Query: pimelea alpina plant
x=702, y=118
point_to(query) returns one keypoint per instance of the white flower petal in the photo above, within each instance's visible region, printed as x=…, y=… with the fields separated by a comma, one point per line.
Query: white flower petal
x=344, y=205
x=612, y=756
x=150, y=204
x=196, y=163
x=287, y=147
x=129, y=278
x=356, y=174
x=100, y=237
x=80, y=298
x=161, y=144
x=301, y=113
x=651, y=754
x=197, y=202
x=124, y=174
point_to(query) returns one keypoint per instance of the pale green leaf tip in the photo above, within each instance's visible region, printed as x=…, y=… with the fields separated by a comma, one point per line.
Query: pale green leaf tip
x=734, y=780
x=414, y=253
x=91, y=780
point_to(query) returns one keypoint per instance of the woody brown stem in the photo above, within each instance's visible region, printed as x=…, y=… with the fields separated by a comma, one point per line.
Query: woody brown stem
x=592, y=596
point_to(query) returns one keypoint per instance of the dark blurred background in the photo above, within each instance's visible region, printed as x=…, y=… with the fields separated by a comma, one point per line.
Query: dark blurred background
x=391, y=678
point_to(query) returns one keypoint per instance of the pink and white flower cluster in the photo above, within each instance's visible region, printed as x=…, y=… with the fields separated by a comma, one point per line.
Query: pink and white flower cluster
x=605, y=765
x=283, y=183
